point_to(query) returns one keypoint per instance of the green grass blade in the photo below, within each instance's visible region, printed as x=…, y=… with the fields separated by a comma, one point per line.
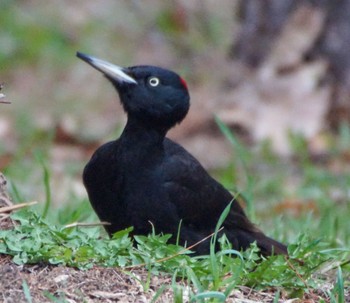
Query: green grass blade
x=26, y=291
x=340, y=286
x=178, y=293
x=46, y=176
x=213, y=258
x=332, y=298
x=159, y=292
x=46, y=180
x=277, y=297
x=209, y=295
x=194, y=279
x=178, y=233
x=243, y=157
x=242, y=152
x=16, y=195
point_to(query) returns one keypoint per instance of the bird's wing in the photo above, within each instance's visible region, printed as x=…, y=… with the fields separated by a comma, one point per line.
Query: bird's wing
x=199, y=199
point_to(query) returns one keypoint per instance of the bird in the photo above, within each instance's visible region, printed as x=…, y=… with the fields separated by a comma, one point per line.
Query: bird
x=145, y=180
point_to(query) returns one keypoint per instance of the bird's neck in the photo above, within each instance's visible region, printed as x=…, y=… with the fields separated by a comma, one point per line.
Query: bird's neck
x=139, y=135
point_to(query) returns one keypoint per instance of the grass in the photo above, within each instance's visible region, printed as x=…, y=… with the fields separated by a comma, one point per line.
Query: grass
x=318, y=237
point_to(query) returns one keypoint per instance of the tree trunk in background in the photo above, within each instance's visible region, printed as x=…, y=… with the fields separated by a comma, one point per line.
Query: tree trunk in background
x=261, y=23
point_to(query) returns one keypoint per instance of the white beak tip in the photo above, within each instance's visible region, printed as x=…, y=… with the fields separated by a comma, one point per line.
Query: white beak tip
x=112, y=71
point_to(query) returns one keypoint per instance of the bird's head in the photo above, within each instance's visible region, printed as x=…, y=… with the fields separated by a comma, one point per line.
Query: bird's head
x=154, y=95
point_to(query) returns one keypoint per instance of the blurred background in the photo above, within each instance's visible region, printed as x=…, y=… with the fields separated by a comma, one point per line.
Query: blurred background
x=269, y=83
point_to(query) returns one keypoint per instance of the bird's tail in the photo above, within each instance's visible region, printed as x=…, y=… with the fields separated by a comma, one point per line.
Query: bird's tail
x=267, y=245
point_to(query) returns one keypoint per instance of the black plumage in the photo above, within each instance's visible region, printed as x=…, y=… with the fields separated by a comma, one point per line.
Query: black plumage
x=144, y=177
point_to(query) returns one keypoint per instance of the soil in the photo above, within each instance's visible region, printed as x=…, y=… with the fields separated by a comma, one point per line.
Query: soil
x=48, y=283
x=73, y=285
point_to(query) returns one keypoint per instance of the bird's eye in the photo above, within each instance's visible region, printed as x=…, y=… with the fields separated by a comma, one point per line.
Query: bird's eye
x=153, y=81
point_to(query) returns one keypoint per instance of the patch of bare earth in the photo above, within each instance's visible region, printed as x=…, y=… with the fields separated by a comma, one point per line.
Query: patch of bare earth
x=94, y=285
x=101, y=284
x=74, y=285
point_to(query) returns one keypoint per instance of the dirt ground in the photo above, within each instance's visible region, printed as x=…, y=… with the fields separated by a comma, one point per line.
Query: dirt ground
x=94, y=285
x=73, y=285
x=48, y=283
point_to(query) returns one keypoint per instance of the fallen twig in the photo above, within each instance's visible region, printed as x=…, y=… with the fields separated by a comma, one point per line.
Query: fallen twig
x=83, y=224
x=3, y=100
x=14, y=207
